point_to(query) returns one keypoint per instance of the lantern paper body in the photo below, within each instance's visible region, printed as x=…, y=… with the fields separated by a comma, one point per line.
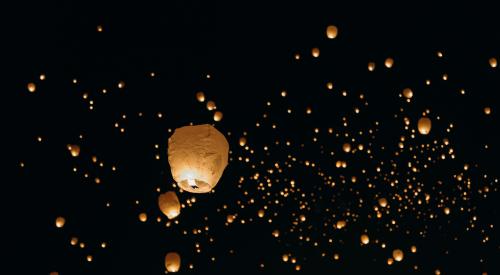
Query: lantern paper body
x=169, y=204
x=424, y=125
x=172, y=262
x=197, y=156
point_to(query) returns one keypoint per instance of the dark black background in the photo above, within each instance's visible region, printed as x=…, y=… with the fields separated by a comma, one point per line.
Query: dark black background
x=247, y=48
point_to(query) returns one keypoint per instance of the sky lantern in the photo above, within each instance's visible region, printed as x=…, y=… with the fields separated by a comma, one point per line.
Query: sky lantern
x=243, y=141
x=493, y=62
x=143, y=217
x=276, y=233
x=340, y=224
x=424, y=125
x=389, y=62
x=197, y=156
x=346, y=147
x=408, y=93
x=169, y=204
x=211, y=105
x=60, y=221
x=218, y=116
x=260, y=213
x=371, y=66
x=413, y=249
x=74, y=150
x=31, y=87
x=487, y=110
x=315, y=52
x=382, y=202
x=365, y=239
x=200, y=96
x=331, y=32
x=172, y=262
x=398, y=255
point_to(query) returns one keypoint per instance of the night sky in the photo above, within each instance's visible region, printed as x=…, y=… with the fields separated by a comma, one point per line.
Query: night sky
x=325, y=148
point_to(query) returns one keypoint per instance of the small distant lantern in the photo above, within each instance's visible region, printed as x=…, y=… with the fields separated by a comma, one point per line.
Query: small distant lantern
x=493, y=62
x=424, y=125
x=365, y=239
x=315, y=52
x=332, y=32
x=200, y=96
x=60, y=221
x=197, y=156
x=74, y=150
x=398, y=255
x=218, y=116
x=169, y=204
x=408, y=93
x=389, y=62
x=172, y=262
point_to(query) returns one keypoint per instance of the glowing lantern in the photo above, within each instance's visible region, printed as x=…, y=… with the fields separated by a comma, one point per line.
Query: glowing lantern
x=74, y=150
x=211, y=105
x=382, y=202
x=408, y=93
x=31, y=87
x=493, y=62
x=331, y=32
x=260, y=213
x=371, y=66
x=446, y=211
x=143, y=217
x=390, y=261
x=398, y=255
x=197, y=156
x=230, y=218
x=54, y=273
x=315, y=52
x=200, y=96
x=60, y=221
x=389, y=62
x=340, y=224
x=346, y=147
x=218, y=116
x=413, y=249
x=276, y=233
x=169, y=204
x=243, y=141
x=365, y=239
x=172, y=262
x=424, y=125
x=285, y=257
x=487, y=110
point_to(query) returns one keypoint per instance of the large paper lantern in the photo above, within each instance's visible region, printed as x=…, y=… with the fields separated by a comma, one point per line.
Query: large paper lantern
x=169, y=204
x=172, y=262
x=424, y=125
x=197, y=156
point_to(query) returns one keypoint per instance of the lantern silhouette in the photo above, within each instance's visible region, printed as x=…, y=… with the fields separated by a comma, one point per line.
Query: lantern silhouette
x=169, y=204
x=424, y=125
x=197, y=156
x=172, y=262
